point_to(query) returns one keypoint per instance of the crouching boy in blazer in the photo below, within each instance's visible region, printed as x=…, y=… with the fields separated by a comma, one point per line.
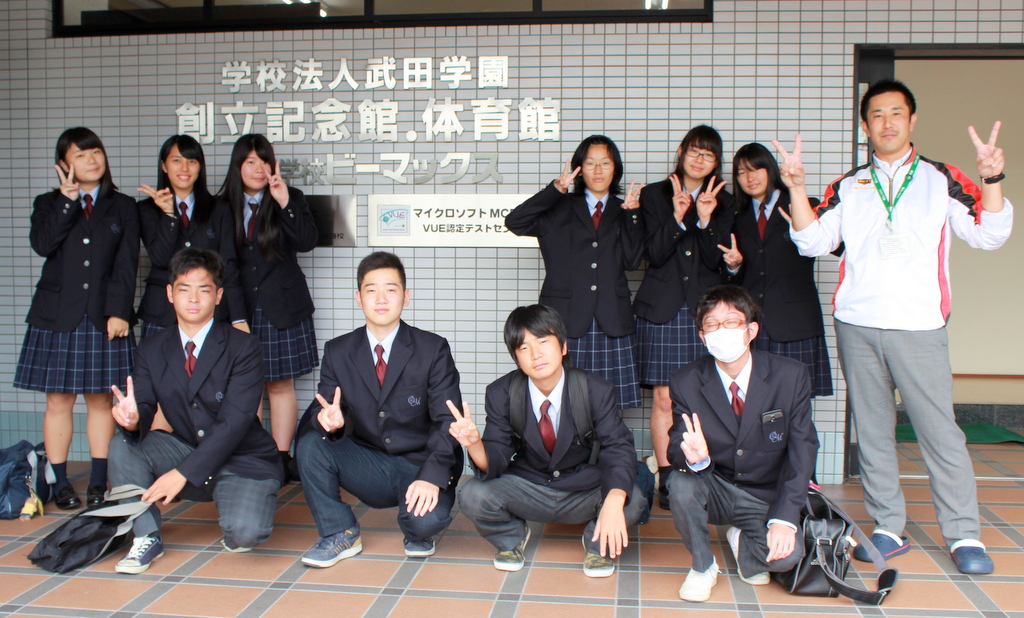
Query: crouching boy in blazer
x=207, y=377
x=743, y=445
x=544, y=470
x=382, y=431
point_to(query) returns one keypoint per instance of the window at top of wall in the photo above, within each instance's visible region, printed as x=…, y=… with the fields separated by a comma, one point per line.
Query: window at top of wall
x=112, y=17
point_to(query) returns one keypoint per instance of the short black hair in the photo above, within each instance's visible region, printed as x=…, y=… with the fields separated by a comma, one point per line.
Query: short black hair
x=883, y=86
x=376, y=261
x=755, y=157
x=580, y=156
x=85, y=139
x=541, y=321
x=189, y=259
x=733, y=296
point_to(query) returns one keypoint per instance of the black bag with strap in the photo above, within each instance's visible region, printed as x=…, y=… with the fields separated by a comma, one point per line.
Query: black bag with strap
x=579, y=404
x=827, y=533
x=90, y=535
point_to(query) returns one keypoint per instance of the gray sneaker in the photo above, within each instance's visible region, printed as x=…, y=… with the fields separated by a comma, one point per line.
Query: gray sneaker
x=513, y=559
x=419, y=549
x=330, y=550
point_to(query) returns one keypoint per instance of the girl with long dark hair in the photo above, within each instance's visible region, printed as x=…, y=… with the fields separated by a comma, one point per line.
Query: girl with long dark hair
x=273, y=224
x=686, y=217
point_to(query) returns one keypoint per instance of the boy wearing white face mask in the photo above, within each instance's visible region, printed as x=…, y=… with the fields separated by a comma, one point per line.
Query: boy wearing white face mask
x=743, y=445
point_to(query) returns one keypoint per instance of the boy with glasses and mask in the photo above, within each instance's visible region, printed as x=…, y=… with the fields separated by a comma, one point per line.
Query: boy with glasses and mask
x=743, y=446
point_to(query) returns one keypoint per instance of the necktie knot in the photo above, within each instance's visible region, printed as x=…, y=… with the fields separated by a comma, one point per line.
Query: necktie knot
x=382, y=367
x=87, y=198
x=190, y=359
x=737, y=401
x=546, y=427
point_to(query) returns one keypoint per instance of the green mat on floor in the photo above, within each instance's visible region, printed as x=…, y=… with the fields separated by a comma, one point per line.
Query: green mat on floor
x=977, y=433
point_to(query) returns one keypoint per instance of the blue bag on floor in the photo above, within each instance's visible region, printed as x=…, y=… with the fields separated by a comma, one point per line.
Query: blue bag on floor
x=22, y=467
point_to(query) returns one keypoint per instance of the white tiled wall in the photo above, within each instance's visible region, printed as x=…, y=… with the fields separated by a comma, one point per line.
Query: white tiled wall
x=761, y=70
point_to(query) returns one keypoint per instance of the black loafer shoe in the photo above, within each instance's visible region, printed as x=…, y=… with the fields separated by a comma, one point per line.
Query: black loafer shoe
x=67, y=499
x=94, y=496
x=663, y=498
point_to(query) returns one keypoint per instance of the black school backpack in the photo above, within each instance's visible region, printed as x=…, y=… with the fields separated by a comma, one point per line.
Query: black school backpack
x=579, y=404
x=22, y=467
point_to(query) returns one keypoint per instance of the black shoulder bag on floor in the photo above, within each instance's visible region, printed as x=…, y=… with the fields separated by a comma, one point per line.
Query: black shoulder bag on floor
x=90, y=535
x=827, y=532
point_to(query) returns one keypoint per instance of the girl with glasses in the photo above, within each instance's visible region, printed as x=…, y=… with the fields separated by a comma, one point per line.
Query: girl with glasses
x=686, y=220
x=589, y=238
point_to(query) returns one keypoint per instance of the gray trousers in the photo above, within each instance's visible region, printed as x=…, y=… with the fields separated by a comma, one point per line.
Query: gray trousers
x=699, y=501
x=500, y=508
x=875, y=362
x=245, y=506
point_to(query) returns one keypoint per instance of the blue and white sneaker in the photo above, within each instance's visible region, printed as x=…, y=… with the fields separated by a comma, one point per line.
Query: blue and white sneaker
x=330, y=550
x=145, y=550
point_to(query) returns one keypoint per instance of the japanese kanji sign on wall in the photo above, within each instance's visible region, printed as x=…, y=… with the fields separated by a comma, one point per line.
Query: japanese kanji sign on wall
x=443, y=221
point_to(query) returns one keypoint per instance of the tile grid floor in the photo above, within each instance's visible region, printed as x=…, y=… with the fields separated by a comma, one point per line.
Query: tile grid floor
x=197, y=578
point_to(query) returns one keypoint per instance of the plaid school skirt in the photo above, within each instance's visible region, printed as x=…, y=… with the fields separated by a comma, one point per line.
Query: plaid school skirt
x=612, y=358
x=287, y=353
x=81, y=362
x=811, y=352
x=149, y=329
x=663, y=348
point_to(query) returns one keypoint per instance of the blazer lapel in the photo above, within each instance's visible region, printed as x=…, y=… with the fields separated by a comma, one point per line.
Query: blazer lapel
x=174, y=355
x=364, y=364
x=777, y=221
x=563, y=438
x=579, y=206
x=213, y=348
x=398, y=358
x=99, y=209
x=747, y=224
x=714, y=393
x=758, y=393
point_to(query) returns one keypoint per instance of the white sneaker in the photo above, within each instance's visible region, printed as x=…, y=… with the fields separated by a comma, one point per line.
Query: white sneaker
x=698, y=584
x=761, y=579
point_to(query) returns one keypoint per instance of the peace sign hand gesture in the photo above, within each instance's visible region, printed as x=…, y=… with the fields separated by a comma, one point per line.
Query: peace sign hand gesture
x=126, y=411
x=632, y=201
x=68, y=186
x=732, y=256
x=990, y=158
x=463, y=428
x=162, y=198
x=792, y=168
x=681, y=199
x=707, y=201
x=564, y=182
x=278, y=189
x=694, y=446
x=330, y=416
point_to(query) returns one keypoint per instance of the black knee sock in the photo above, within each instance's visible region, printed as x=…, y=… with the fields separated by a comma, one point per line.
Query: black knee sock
x=61, y=472
x=99, y=472
x=663, y=472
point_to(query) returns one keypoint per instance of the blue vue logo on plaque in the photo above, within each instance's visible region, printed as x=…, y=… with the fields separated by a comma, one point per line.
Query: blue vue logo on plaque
x=392, y=220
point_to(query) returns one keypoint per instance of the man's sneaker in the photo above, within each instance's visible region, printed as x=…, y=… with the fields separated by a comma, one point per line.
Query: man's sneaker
x=760, y=579
x=145, y=549
x=886, y=544
x=698, y=584
x=970, y=559
x=596, y=565
x=234, y=550
x=330, y=550
x=419, y=549
x=513, y=559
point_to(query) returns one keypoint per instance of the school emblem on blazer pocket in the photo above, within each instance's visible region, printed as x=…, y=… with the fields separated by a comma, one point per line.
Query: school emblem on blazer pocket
x=776, y=436
x=115, y=228
x=414, y=401
x=219, y=396
x=210, y=234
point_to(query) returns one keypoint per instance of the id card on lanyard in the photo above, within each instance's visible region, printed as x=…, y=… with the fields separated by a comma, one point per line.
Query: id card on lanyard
x=894, y=245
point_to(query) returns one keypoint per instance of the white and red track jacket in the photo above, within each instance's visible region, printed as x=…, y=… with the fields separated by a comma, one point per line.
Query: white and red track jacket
x=911, y=292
